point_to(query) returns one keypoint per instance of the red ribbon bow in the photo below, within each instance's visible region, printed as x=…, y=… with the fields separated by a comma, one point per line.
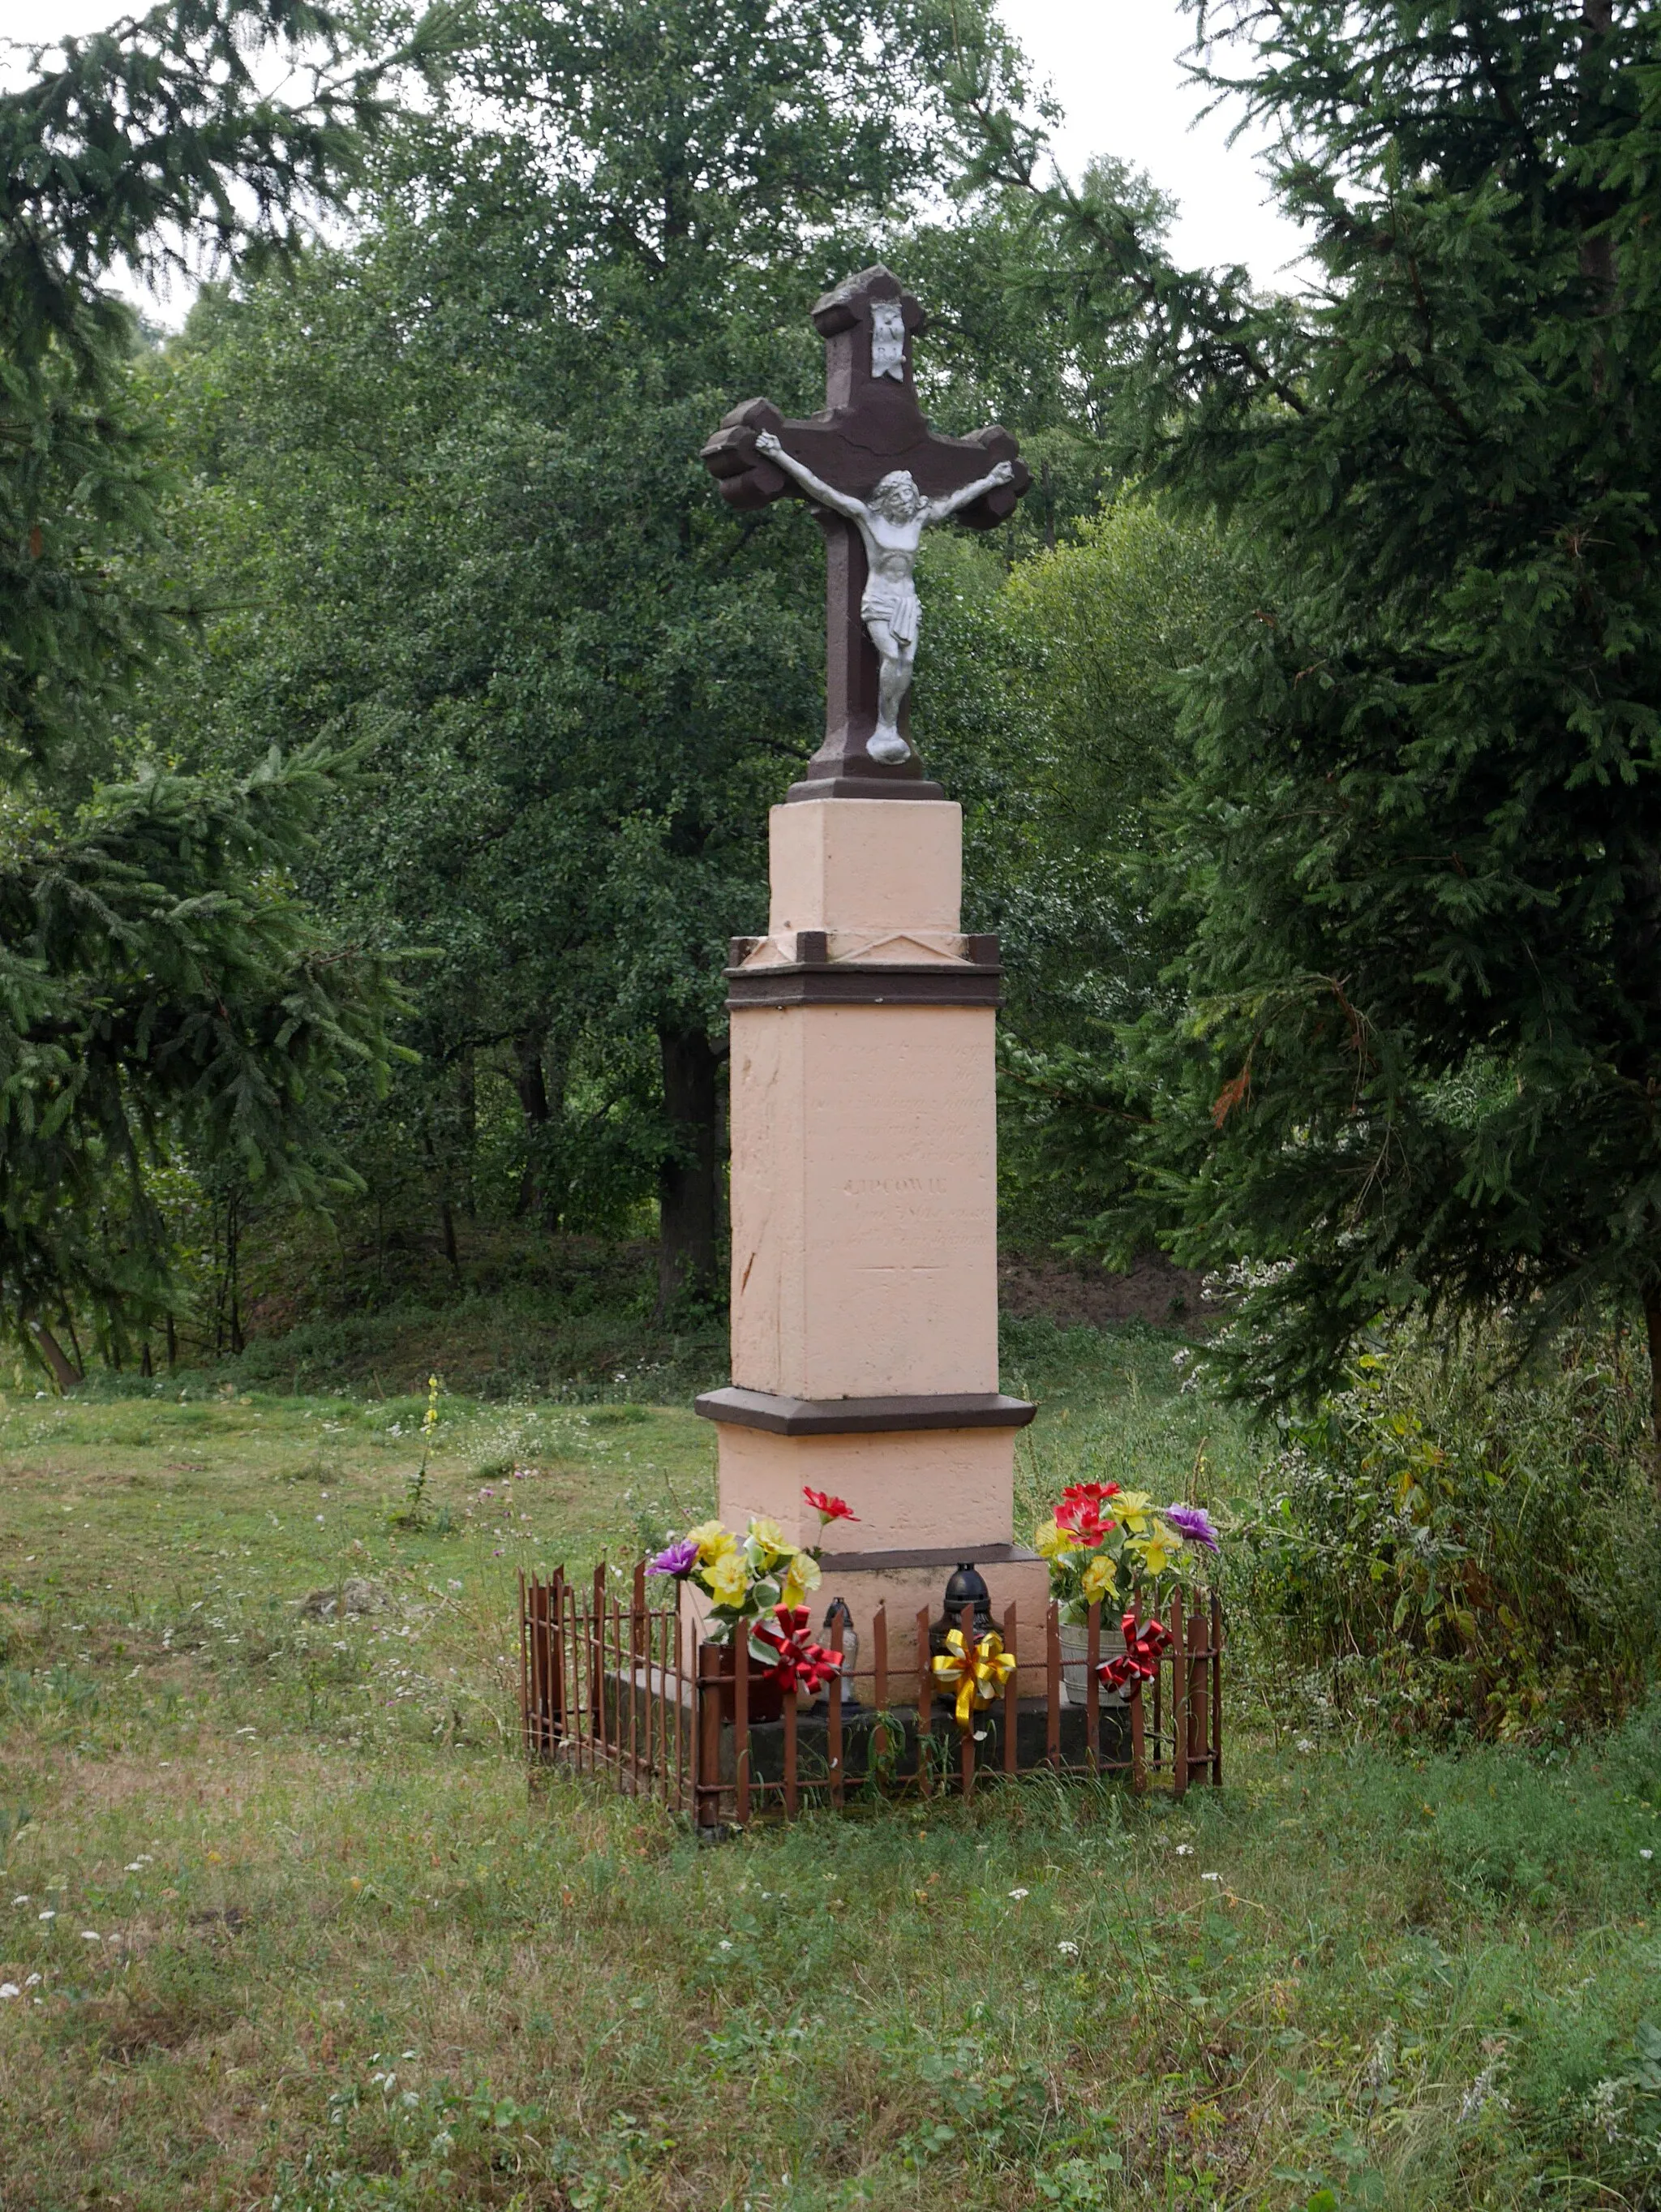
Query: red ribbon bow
x=1141, y=1656
x=798, y=1661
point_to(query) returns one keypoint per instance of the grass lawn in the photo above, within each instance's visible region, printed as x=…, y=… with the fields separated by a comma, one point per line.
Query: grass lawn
x=288, y=1929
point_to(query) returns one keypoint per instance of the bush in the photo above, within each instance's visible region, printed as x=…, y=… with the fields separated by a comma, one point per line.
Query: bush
x=1461, y=1551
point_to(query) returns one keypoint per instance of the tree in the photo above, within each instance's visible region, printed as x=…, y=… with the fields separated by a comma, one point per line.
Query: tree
x=1419, y=859
x=162, y=985
x=462, y=455
x=1052, y=702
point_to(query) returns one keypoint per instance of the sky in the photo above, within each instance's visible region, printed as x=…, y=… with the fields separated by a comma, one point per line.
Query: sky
x=1112, y=65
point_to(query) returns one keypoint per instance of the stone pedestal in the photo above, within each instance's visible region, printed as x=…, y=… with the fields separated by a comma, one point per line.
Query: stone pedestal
x=864, y=1239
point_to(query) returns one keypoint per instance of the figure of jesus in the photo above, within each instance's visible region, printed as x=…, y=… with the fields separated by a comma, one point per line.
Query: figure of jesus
x=891, y=524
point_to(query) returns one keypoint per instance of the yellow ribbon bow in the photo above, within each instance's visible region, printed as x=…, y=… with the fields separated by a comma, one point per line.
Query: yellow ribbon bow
x=979, y=1674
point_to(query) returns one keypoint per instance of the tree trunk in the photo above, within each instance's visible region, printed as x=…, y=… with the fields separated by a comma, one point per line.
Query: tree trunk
x=538, y=1103
x=234, y=1272
x=466, y=1120
x=686, y=1205
x=65, y=1374
x=1652, y=1324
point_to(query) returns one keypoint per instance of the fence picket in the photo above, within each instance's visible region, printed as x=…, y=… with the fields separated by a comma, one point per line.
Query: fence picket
x=924, y=1703
x=1053, y=1685
x=1093, y=1687
x=833, y=1717
x=1011, y=1694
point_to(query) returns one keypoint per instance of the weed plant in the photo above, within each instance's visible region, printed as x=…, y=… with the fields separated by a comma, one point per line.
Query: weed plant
x=1447, y=1549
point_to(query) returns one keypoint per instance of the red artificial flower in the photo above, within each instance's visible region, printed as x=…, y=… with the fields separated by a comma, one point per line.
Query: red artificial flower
x=828, y=1508
x=798, y=1661
x=1082, y=1516
x=1088, y=1493
x=1141, y=1656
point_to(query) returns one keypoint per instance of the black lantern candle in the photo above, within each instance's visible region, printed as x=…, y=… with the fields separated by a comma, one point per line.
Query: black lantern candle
x=966, y=1586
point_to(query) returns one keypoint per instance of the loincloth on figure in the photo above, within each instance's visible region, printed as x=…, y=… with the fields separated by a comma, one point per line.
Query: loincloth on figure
x=894, y=603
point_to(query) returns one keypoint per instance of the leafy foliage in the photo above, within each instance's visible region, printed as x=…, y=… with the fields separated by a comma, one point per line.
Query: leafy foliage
x=149, y=145
x=1460, y=1553
x=452, y=474
x=1421, y=839
x=161, y=984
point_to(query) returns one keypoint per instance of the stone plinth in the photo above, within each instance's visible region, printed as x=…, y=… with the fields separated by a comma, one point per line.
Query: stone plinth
x=864, y=1237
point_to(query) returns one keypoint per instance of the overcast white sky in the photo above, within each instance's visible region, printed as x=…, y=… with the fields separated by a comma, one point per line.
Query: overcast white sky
x=1113, y=65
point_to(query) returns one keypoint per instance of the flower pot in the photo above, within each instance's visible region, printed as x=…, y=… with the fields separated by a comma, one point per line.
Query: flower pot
x=764, y=1695
x=1076, y=1661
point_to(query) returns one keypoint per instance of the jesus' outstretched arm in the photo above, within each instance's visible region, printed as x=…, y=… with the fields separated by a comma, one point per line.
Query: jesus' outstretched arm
x=954, y=501
x=840, y=502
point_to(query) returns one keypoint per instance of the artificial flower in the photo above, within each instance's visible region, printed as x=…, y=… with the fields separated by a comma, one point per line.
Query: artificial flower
x=677, y=1559
x=1156, y=1550
x=713, y=1542
x=1193, y=1524
x=804, y=1578
x=782, y=1645
x=769, y=1539
x=828, y=1508
x=727, y=1579
x=1099, y=1576
x=1082, y=1518
x=1050, y=1541
x=979, y=1674
x=1090, y=1493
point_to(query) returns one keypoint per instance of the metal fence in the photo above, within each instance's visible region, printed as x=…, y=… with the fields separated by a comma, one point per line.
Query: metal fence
x=611, y=1683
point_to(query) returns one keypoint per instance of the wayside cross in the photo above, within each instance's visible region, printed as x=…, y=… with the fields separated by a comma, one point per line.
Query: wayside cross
x=875, y=476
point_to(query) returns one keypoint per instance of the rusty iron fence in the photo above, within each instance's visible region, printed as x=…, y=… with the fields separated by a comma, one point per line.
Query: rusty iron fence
x=614, y=1684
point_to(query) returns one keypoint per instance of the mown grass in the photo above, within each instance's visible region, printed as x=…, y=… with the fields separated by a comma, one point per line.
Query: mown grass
x=313, y=1941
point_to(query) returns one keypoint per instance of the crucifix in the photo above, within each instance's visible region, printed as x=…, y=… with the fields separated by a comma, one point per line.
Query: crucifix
x=875, y=476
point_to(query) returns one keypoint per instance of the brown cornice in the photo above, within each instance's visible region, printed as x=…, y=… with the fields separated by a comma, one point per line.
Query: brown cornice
x=834, y=1417
x=816, y=981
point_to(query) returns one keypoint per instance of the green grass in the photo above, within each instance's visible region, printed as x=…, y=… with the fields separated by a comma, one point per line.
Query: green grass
x=345, y=1957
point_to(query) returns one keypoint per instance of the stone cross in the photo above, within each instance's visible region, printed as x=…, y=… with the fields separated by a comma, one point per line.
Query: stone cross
x=876, y=475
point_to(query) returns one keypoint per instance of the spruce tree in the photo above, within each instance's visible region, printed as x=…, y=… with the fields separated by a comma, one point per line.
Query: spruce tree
x=161, y=985
x=1419, y=853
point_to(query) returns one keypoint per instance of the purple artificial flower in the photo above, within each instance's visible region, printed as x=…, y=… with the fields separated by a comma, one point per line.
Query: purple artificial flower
x=1193, y=1524
x=676, y=1559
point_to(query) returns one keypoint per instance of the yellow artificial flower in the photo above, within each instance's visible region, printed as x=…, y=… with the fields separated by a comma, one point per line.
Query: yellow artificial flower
x=1158, y=1549
x=1050, y=1542
x=804, y=1576
x=1099, y=1577
x=768, y=1538
x=728, y=1578
x=1131, y=1508
x=713, y=1542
